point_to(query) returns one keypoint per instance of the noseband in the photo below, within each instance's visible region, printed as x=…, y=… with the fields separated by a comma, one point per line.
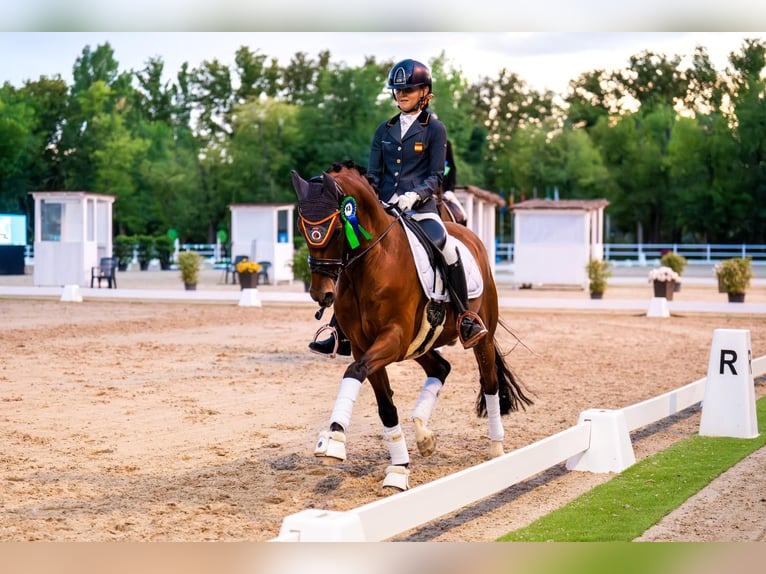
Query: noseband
x=319, y=233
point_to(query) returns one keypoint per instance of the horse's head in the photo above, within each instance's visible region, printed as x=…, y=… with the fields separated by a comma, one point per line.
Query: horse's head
x=319, y=201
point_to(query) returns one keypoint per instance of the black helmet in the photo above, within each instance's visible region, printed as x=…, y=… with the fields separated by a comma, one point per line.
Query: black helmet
x=409, y=74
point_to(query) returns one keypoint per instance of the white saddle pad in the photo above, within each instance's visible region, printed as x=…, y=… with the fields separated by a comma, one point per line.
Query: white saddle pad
x=432, y=282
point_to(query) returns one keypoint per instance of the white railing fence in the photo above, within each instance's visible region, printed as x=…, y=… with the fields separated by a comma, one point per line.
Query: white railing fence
x=592, y=445
x=645, y=253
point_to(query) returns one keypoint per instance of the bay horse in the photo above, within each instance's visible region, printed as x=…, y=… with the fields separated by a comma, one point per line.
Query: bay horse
x=362, y=263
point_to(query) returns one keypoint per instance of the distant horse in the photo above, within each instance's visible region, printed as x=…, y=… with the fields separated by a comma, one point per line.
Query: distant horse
x=361, y=261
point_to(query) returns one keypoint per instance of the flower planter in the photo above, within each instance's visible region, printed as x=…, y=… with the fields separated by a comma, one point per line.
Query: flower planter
x=736, y=297
x=190, y=286
x=664, y=289
x=247, y=280
x=596, y=295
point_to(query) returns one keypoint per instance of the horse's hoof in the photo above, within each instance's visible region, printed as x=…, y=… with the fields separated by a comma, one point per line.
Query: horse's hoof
x=427, y=445
x=496, y=448
x=331, y=445
x=425, y=438
x=397, y=477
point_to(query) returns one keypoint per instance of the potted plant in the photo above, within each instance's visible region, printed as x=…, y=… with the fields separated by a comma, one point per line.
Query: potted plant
x=122, y=249
x=598, y=272
x=677, y=263
x=247, y=272
x=189, y=263
x=145, y=250
x=164, y=247
x=663, y=279
x=734, y=277
x=300, y=265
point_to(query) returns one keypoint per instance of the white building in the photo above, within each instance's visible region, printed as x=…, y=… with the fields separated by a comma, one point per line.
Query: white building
x=264, y=232
x=73, y=231
x=554, y=240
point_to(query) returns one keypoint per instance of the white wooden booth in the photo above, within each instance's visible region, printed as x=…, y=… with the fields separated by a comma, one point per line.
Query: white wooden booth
x=480, y=206
x=73, y=231
x=264, y=232
x=554, y=240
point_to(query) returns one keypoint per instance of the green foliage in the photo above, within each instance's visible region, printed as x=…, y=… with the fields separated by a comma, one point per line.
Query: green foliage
x=675, y=261
x=145, y=250
x=164, y=247
x=189, y=263
x=598, y=273
x=176, y=153
x=122, y=248
x=637, y=498
x=300, y=264
x=734, y=274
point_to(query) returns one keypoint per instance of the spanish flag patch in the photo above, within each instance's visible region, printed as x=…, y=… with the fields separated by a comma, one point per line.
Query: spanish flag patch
x=419, y=147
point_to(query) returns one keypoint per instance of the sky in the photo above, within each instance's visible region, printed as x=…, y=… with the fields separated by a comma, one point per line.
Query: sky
x=545, y=60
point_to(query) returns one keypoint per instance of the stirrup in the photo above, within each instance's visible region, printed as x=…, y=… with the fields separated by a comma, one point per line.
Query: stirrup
x=477, y=322
x=333, y=333
x=339, y=347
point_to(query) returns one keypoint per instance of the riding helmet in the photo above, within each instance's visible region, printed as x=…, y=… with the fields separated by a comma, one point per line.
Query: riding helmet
x=409, y=74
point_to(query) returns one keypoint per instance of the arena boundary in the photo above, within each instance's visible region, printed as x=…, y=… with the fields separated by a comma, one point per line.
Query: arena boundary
x=600, y=442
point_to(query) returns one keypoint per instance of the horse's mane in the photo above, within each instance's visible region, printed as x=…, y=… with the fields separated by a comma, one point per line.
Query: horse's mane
x=338, y=166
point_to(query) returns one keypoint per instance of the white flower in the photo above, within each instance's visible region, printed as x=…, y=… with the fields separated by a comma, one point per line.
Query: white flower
x=717, y=268
x=663, y=274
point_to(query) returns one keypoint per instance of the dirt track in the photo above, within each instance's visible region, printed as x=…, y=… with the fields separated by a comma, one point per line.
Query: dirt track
x=140, y=421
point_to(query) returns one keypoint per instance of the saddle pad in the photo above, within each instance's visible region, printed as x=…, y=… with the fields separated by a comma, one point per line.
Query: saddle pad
x=432, y=282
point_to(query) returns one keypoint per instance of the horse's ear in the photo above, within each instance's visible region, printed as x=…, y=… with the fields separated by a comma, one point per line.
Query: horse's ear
x=300, y=185
x=329, y=182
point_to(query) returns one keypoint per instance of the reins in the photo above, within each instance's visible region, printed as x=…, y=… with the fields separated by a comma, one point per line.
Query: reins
x=361, y=254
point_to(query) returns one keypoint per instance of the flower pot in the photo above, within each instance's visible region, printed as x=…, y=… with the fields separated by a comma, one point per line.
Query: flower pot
x=594, y=295
x=664, y=289
x=190, y=286
x=736, y=297
x=247, y=280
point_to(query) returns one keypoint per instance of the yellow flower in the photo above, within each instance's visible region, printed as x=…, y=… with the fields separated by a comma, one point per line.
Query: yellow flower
x=246, y=266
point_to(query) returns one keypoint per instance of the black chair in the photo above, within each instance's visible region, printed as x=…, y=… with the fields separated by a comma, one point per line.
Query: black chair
x=106, y=271
x=233, y=269
x=263, y=274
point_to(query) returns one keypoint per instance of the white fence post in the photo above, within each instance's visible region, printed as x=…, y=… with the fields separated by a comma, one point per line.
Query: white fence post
x=610, y=448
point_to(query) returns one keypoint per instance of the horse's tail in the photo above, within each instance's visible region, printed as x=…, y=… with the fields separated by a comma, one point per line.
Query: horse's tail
x=512, y=396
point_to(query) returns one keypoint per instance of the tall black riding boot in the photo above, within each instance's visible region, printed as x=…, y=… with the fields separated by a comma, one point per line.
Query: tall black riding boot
x=328, y=346
x=469, y=325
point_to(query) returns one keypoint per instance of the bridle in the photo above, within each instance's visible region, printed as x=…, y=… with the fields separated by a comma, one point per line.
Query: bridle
x=330, y=267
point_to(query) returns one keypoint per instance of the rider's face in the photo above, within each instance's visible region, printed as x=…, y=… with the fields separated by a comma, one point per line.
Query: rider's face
x=408, y=98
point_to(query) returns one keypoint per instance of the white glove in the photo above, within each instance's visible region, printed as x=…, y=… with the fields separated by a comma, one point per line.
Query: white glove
x=406, y=201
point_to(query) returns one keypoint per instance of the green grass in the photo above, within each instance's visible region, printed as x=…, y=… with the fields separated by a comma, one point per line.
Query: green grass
x=637, y=498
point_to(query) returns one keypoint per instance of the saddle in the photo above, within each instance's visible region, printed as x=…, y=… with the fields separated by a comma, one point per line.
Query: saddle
x=430, y=265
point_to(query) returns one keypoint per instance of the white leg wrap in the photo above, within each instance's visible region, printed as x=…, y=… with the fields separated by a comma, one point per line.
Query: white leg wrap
x=397, y=445
x=496, y=431
x=344, y=403
x=424, y=406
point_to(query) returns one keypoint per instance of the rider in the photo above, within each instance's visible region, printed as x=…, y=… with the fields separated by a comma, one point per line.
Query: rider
x=406, y=167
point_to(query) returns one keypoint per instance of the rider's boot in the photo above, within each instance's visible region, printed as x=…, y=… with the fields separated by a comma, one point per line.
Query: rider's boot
x=469, y=325
x=327, y=346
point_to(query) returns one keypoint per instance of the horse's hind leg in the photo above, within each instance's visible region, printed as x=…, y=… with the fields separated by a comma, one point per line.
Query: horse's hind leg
x=437, y=369
x=485, y=353
x=397, y=473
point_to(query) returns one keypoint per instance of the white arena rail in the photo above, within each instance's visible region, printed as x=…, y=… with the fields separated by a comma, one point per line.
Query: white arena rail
x=388, y=517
